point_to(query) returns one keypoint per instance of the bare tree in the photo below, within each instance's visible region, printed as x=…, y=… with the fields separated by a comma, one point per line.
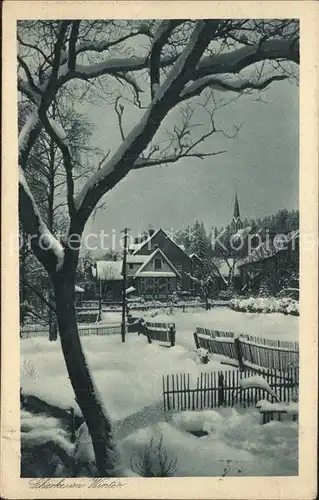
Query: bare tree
x=181, y=60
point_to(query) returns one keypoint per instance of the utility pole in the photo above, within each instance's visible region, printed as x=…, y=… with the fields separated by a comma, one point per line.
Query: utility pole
x=124, y=285
x=99, y=316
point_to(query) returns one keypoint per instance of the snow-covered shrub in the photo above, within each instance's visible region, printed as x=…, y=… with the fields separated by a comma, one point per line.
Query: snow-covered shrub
x=284, y=305
x=202, y=355
x=153, y=461
x=46, y=449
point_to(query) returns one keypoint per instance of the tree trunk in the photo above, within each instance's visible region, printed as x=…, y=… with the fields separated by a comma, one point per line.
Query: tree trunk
x=85, y=392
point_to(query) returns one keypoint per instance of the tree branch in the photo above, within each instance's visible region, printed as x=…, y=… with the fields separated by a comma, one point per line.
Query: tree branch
x=28, y=75
x=72, y=44
x=45, y=246
x=123, y=160
x=223, y=84
x=152, y=162
x=160, y=39
x=59, y=137
x=237, y=60
x=119, y=108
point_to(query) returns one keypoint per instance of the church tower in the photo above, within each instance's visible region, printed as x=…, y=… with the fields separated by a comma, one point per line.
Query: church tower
x=236, y=222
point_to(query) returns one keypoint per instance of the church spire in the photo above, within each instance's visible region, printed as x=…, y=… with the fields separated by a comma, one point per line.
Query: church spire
x=236, y=222
x=236, y=208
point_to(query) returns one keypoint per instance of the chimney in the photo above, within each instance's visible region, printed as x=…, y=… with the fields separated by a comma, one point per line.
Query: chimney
x=151, y=232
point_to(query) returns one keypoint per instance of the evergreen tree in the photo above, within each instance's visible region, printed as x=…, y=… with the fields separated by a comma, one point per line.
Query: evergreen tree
x=200, y=244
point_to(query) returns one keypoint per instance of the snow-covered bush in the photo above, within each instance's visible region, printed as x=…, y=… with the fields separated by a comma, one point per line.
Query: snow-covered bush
x=284, y=305
x=46, y=448
x=202, y=356
x=153, y=461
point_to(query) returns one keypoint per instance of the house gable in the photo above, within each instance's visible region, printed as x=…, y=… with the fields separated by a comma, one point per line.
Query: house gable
x=163, y=241
x=176, y=255
x=158, y=263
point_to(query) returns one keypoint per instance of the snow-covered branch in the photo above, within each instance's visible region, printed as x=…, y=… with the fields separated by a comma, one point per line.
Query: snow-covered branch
x=28, y=135
x=46, y=247
x=104, y=45
x=235, y=61
x=191, y=70
x=32, y=128
x=228, y=84
x=108, y=67
x=25, y=88
x=31, y=84
x=141, y=135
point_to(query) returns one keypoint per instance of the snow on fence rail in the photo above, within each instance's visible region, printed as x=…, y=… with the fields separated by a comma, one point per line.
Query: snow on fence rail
x=40, y=331
x=225, y=388
x=249, y=350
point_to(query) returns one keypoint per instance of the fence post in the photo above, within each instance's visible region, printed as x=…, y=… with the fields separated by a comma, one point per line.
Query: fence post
x=221, y=395
x=196, y=340
x=148, y=335
x=53, y=330
x=238, y=353
x=144, y=330
x=172, y=334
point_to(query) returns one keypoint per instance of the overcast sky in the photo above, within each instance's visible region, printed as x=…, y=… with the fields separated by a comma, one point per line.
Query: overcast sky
x=261, y=163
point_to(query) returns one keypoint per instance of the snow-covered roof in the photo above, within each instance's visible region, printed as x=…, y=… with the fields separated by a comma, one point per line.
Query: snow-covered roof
x=136, y=259
x=151, y=257
x=194, y=256
x=156, y=274
x=138, y=246
x=109, y=270
x=268, y=249
x=79, y=289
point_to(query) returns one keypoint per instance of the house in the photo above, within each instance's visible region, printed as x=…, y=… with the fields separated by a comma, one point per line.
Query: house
x=270, y=259
x=175, y=253
x=152, y=275
x=108, y=279
x=156, y=267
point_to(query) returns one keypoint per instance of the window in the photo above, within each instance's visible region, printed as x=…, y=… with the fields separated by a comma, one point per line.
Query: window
x=149, y=283
x=142, y=285
x=131, y=266
x=158, y=264
x=179, y=267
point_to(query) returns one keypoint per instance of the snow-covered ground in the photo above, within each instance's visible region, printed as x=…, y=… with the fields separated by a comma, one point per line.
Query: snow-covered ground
x=272, y=326
x=236, y=445
x=128, y=378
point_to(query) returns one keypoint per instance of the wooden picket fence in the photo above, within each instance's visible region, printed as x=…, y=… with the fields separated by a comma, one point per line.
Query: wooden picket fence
x=214, y=389
x=249, y=350
x=162, y=332
x=42, y=331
